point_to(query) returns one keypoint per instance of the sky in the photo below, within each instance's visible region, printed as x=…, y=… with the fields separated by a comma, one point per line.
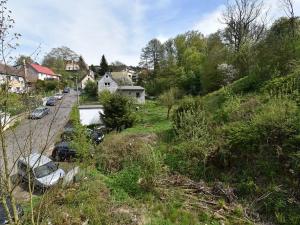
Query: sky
x=119, y=29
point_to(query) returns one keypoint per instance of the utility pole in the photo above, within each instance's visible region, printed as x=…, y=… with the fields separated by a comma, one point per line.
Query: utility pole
x=76, y=83
x=77, y=90
x=25, y=75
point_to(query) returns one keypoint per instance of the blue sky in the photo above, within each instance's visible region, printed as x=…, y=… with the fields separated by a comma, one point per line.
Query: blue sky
x=116, y=28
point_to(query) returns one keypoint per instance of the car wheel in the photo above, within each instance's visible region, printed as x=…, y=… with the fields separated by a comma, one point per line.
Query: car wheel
x=57, y=158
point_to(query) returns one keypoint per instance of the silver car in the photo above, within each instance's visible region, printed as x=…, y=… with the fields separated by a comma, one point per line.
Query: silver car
x=44, y=173
x=58, y=96
x=39, y=113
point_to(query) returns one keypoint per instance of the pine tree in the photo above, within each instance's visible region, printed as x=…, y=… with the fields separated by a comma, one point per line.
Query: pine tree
x=103, y=66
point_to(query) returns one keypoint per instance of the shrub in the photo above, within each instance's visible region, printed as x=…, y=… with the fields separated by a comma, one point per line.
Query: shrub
x=118, y=112
x=185, y=105
x=91, y=89
x=104, y=96
x=129, y=159
x=283, y=86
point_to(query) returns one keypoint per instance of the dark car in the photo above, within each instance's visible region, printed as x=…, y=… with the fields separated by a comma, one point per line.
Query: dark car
x=96, y=135
x=63, y=151
x=66, y=90
x=3, y=215
x=68, y=132
x=51, y=101
x=39, y=113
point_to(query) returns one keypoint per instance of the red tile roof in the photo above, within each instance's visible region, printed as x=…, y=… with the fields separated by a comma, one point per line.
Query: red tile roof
x=42, y=69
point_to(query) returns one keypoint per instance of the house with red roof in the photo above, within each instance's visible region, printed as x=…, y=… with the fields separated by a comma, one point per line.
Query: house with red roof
x=42, y=72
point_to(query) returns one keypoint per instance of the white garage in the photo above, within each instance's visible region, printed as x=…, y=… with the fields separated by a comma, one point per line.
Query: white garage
x=91, y=114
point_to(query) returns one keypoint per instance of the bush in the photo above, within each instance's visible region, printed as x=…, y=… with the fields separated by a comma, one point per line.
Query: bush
x=118, y=112
x=283, y=86
x=91, y=89
x=47, y=85
x=131, y=160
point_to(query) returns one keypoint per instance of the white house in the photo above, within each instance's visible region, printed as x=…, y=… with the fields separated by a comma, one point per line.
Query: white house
x=107, y=82
x=136, y=92
x=91, y=114
x=88, y=77
x=72, y=65
x=42, y=72
x=13, y=77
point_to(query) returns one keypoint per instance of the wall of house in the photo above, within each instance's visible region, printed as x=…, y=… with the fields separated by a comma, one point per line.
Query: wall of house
x=139, y=95
x=16, y=83
x=91, y=116
x=107, y=83
x=85, y=80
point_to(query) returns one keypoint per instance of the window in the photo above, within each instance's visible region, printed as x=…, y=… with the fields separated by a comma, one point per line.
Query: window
x=138, y=94
x=107, y=84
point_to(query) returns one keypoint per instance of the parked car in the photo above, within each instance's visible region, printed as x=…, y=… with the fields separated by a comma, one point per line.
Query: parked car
x=58, y=96
x=68, y=132
x=3, y=214
x=96, y=135
x=44, y=173
x=63, y=151
x=51, y=101
x=66, y=90
x=39, y=113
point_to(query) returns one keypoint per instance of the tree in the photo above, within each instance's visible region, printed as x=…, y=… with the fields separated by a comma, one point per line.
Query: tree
x=243, y=21
x=91, y=89
x=57, y=57
x=152, y=55
x=118, y=112
x=82, y=65
x=216, y=54
x=21, y=58
x=103, y=66
x=64, y=53
x=117, y=66
x=278, y=51
x=245, y=27
x=8, y=43
x=168, y=99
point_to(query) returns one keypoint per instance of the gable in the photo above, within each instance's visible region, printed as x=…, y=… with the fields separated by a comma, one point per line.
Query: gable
x=108, y=79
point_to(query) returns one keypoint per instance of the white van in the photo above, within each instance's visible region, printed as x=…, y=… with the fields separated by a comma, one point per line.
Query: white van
x=44, y=173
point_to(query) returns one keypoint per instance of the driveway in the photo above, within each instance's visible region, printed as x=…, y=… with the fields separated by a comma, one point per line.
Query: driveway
x=38, y=135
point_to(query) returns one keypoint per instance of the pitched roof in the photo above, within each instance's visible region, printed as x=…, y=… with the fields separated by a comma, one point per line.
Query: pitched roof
x=9, y=70
x=42, y=69
x=131, y=88
x=121, y=78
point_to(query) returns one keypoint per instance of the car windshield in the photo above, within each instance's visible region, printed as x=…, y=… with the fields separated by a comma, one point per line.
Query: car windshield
x=52, y=99
x=45, y=170
x=38, y=110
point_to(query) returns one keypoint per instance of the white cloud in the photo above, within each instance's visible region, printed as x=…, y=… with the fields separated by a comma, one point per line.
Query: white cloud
x=210, y=22
x=91, y=28
x=118, y=29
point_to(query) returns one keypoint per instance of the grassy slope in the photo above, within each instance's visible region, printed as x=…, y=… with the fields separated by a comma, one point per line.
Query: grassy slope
x=116, y=199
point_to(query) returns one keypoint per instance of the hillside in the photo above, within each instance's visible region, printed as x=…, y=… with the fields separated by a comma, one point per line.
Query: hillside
x=230, y=157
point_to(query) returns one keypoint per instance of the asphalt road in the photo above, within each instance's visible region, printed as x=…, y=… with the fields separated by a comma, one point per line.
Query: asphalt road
x=38, y=135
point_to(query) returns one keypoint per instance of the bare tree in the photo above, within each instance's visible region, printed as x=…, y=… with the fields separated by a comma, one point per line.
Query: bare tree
x=288, y=7
x=24, y=143
x=244, y=22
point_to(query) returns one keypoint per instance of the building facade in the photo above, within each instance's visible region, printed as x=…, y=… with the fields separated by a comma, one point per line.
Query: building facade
x=107, y=82
x=88, y=77
x=13, y=78
x=42, y=72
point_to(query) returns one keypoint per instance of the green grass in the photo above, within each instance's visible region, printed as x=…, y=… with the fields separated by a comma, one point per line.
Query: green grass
x=151, y=118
